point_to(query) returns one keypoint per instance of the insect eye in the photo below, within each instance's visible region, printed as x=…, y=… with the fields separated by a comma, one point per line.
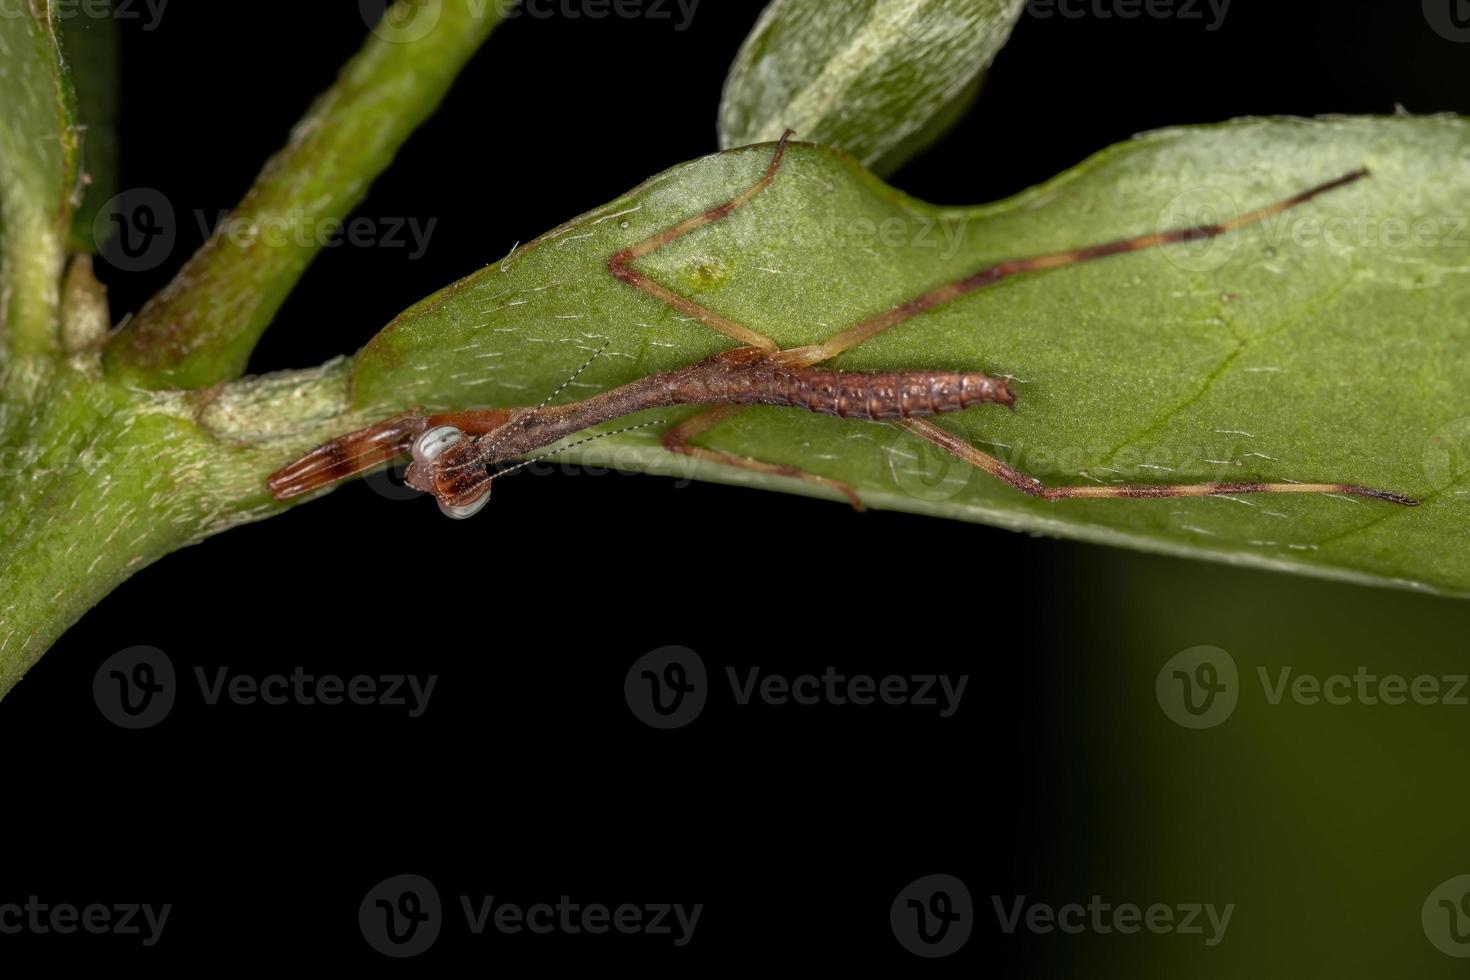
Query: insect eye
x=466, y=511
x=434, y=443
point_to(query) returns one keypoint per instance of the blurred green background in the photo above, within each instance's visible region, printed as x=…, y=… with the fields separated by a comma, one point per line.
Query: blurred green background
x=1328, y=826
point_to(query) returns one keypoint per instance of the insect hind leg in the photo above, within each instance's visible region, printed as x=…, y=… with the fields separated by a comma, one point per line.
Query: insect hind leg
x=983, y=461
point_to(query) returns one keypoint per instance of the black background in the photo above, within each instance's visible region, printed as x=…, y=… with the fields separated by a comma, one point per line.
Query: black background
x=528, y=777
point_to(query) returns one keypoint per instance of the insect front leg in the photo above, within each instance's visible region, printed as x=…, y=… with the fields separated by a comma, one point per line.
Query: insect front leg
x=360, y=451
x=861, y=333
x=679, y=439
x=620, y=265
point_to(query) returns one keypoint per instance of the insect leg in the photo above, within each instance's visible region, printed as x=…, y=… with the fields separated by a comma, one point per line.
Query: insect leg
x=678, y=440
x=620, y=264
x=987, y=463
x=863, y=332
x=357, y=452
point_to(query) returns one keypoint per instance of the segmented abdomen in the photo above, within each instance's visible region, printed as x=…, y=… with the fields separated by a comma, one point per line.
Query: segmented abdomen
x=883, y=395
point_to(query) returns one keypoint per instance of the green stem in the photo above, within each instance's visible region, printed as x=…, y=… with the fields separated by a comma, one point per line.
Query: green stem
x=201, y=329
x=38, y=174
x=108, y=479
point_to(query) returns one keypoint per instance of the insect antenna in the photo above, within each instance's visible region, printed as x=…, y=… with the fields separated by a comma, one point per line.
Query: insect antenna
x=576, y=374
x=496, y=443
x=572, y=445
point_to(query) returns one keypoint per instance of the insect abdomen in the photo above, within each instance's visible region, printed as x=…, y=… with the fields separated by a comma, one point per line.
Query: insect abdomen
x=885, y=395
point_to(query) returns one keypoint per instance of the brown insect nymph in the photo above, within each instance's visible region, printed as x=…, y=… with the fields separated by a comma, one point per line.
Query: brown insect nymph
x=455, y=455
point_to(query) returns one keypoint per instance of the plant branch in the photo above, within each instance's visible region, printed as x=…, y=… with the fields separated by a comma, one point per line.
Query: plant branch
x=201, y=329
x=111, y=480
x=38, y=176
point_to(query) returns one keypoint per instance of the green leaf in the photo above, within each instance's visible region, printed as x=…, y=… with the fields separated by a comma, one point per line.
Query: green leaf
x=882, y=79
x=1325, y=345
x=202, y=328
x=90, y=45
x=38, y=173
